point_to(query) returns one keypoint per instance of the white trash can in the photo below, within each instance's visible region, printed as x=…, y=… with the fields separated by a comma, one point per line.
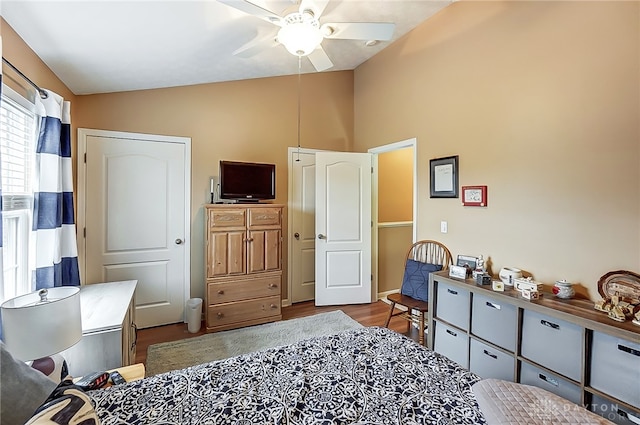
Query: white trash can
x=194, y=314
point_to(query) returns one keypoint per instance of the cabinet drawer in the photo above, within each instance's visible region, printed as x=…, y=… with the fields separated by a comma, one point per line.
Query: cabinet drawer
x=494, y=321
x=614, y=412
x=242, y=311
x=615, y=367
x=227, y=217
x=453, y=305
x=238, y=290
x=452, y=343
x=260, y=217
x=553, y=343
x=532, y=375
x=488, y=362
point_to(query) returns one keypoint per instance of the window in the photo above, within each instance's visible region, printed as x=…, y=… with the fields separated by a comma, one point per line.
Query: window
x=17, y=153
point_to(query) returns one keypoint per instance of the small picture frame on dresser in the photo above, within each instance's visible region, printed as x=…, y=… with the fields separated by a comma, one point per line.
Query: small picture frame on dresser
x=459, y=272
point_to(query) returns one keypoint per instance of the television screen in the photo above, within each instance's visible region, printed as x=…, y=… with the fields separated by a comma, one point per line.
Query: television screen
x=247, y=180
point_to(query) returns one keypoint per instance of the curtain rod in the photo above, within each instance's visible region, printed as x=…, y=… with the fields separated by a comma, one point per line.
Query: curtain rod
x=43, y=93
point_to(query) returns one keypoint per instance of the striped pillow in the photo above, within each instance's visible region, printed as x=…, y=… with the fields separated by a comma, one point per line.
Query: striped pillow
x=67, y=404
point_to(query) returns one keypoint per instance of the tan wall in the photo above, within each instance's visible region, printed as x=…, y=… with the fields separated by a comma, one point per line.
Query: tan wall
x=393, y=244
x=395, y=185
x=251, y=120
x=541, y=102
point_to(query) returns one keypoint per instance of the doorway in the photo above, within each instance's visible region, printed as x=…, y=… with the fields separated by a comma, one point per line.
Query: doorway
x=302, y=234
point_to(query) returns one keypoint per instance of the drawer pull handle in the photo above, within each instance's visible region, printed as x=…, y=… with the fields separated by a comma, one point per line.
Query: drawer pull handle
x=220, y=315
x=551, y=381
x=452, y=292
x=549, y=324
x=452, y=333
x=273, y=286
x=273, y=306
x=493, y=356
x=629, y=350
x=492, y=305
x=220, y=292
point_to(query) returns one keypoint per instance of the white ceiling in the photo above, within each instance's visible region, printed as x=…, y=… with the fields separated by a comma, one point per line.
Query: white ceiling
x=101, y=46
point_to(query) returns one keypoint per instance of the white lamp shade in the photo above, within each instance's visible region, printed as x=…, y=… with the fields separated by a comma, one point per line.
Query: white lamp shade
x=33, y=329
x=300, y=39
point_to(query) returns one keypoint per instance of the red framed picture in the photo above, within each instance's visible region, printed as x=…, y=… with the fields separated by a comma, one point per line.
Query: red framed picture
x=474, y=196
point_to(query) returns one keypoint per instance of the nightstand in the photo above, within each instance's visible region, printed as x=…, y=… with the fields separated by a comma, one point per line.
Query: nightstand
x=133, y=372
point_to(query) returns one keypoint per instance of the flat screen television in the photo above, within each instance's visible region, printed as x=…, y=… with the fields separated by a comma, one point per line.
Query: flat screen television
x=247, y=181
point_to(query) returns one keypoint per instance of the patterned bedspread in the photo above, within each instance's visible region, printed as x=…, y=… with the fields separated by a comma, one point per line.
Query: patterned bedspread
x=363, y=376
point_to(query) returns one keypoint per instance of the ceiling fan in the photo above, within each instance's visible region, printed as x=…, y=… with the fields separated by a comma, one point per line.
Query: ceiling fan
x=302, y=34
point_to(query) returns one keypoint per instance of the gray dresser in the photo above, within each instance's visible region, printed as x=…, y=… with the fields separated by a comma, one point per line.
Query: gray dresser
x=564, y=346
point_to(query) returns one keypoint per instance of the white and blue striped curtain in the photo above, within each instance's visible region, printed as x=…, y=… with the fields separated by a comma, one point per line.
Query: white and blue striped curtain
x=56, y=258
x=1, y=232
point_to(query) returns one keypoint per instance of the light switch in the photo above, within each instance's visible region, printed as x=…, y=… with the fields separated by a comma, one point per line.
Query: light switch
x=444, y=227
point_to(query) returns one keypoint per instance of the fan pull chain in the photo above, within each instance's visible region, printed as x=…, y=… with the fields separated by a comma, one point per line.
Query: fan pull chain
x=299, y=68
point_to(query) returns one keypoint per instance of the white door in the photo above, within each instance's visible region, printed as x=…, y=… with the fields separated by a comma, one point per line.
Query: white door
x=136, y=209
x=302, y=211
x=343, y=228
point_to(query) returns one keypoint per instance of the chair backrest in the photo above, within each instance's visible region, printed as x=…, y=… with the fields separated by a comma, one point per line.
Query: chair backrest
x=432, y=252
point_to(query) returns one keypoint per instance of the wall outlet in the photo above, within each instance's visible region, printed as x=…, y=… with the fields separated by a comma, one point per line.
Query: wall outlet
x=444, y=227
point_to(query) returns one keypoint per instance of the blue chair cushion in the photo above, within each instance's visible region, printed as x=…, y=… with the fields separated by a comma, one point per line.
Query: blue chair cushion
x=415, y=282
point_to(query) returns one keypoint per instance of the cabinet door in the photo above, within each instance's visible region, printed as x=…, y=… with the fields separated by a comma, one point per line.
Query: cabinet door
x=264, y=250
x=226, y=253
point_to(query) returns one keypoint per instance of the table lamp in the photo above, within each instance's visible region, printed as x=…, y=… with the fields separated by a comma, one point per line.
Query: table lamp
x=36, y=327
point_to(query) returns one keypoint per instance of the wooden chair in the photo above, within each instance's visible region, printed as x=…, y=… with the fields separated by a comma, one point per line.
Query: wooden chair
x=427, y=252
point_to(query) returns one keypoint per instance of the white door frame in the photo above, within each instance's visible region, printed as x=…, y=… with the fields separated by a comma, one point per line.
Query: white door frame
x=83, y=134
x=408, y=143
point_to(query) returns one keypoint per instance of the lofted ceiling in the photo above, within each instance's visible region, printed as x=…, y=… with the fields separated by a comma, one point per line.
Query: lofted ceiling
x=102, y=46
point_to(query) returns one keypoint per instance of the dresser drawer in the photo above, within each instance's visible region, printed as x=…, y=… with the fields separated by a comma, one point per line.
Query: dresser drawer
x=488, y=362
x=219, y=217
x=452, y=343
x=238, y=290
x=532, y=375
x=615, y=367
x=494, y=321
x=614, y=412
x=242, y=311
x=260, y=217
x=453, y=305
x=553, y=343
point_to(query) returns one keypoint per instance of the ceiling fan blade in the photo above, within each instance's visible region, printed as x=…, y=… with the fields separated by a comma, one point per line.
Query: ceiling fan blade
x=319, y=59
x=316, y=6
x=253, y=9
x=359, y=30
x=254, y=47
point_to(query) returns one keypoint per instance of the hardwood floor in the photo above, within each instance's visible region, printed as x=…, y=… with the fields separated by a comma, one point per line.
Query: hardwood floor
x=373, y=314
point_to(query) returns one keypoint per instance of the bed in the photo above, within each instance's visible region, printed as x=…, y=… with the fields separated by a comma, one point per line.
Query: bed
x=363, y=376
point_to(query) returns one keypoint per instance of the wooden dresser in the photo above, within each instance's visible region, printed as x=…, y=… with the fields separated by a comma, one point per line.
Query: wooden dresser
x=243, y=265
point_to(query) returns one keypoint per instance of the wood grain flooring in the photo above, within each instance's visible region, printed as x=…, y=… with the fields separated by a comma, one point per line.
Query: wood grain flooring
x=373, y=314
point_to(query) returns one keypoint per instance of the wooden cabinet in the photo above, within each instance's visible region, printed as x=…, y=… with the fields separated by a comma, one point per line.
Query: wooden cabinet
x=563, y=346
x=108, y=328
x=243, y=265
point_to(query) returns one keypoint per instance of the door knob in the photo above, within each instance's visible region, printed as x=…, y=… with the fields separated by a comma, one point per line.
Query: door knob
x=178, y=241
x=321, y=236
x=296, y=235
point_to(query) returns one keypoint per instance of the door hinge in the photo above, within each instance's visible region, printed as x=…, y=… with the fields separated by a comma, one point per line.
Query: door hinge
x=85, y=157
x=84, y=232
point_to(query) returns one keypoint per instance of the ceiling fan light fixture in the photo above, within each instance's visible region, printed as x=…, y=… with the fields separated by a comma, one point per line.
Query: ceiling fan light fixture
x=300, y=34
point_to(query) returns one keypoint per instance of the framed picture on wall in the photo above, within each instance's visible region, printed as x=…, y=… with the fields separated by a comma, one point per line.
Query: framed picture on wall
x=444, y=177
